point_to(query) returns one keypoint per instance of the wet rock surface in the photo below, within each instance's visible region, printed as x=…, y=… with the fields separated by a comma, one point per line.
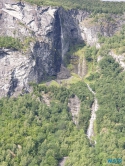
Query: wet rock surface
x=90, y=131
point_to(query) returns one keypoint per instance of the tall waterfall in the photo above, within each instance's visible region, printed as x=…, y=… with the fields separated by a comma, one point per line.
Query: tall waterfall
x=62, y=39
x=90, y=131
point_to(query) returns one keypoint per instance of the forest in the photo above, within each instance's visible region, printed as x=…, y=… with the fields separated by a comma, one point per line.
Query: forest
x=115, y=43
x=108, y=81
x=34, y=133
x=95, y=6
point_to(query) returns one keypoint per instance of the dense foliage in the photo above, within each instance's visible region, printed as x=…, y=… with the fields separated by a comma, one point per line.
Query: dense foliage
x=34, y=134
x=108, y=81
x=10, y=42
x=109, y=84
x=96, y=6
x=110, y=88
x=116, y=43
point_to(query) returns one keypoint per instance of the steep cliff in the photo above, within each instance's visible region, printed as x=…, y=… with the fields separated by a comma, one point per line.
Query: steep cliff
x=49, y=32
x=44, y=56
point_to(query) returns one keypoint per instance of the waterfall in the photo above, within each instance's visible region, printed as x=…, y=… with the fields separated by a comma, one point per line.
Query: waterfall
x=82, y=67
x=90, y=89
x=90, y=131
x=62, y=39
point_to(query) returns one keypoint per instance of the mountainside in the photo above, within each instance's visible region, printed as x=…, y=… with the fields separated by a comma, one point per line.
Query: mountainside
x=62, y=83
x=46, y=35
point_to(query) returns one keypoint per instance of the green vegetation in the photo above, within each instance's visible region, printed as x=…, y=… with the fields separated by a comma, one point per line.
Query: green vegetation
x=33, y=134
x=15, y=43
x=26, y=42
x=90, y=53
x=107, y=79
x=116, y=43
x=54, y=83
x=73, y=51
x=10, y=42
x=96, y=6
x=109, y=84
x=110, y=116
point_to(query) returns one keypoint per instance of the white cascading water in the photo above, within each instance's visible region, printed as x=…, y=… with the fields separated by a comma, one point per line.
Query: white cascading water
x=90, y=131
x=62, y=39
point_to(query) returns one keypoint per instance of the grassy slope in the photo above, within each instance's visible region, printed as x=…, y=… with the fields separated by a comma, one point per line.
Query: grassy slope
x=90, y=5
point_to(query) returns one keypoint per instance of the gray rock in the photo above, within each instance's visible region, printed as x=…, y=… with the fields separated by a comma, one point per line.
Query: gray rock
x=119, y=58
x=15, y=71
x=53, y=31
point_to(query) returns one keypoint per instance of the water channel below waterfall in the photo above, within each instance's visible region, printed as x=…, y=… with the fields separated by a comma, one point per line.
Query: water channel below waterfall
x=90, y=131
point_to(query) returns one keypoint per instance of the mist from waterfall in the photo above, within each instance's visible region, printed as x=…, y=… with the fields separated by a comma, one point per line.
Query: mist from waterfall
x=62, y=39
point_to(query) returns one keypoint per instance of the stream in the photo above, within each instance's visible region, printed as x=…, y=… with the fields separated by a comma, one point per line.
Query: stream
x=90, y=131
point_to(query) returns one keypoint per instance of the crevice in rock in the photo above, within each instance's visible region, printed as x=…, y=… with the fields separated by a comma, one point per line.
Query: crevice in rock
x=44, y=10
x=30, y=22
x=13, y=84
x=56, y=51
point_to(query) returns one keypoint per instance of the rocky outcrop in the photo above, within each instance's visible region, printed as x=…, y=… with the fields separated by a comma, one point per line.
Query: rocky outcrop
x=46, y=99
x=23, y=21
x=119, y=58
x=74, y=107
x=53, y=31
x=62, y=162
x=64, y=73
x=91, y=27
x=99, y=58
x=16, y=69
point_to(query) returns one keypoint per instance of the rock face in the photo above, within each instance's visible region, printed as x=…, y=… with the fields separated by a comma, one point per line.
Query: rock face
x=90, y=27
x=15, y=71
x=74, y=107
x=52, y=30
x=119, y=58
